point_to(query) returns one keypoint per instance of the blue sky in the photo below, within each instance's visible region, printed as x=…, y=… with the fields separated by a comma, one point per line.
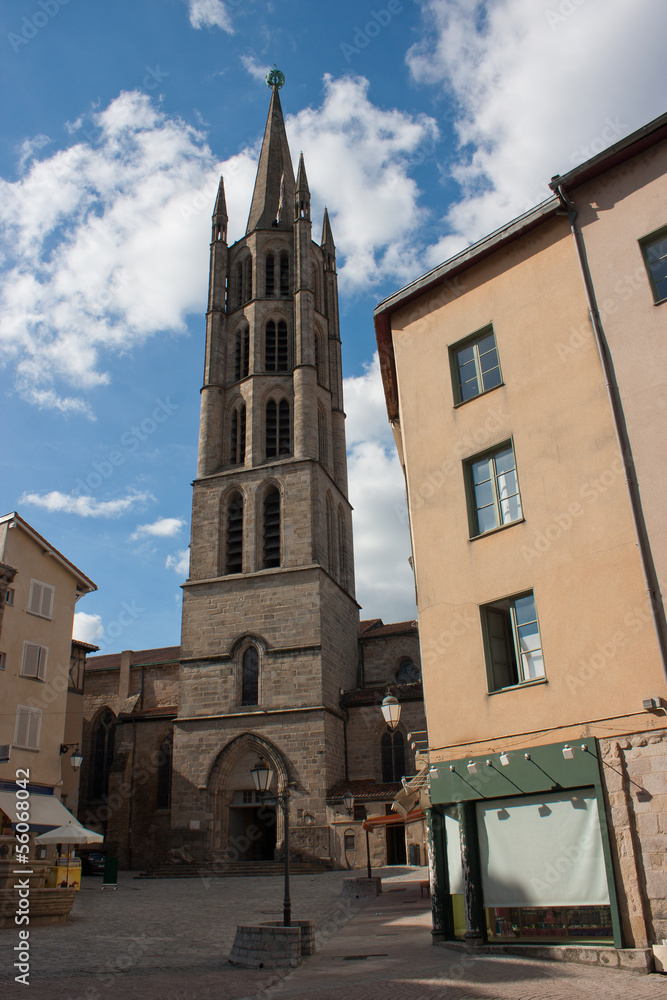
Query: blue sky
x=425, y=124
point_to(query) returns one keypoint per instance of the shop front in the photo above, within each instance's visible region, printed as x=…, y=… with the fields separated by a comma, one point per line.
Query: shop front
x=520, y=848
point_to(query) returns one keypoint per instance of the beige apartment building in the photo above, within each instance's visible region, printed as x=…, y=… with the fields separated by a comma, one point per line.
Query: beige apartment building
x=526, y=384
x=41, y=676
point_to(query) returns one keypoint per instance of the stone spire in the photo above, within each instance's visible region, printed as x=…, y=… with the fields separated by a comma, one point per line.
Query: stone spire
x=273, y=197
x=302, y=204
x=220, y=217
x=327, y=235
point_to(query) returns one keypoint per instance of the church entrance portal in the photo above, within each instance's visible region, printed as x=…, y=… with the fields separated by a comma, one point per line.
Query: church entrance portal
x=252, y=829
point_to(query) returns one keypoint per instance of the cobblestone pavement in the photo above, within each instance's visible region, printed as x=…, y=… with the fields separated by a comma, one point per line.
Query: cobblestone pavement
x=170, y=940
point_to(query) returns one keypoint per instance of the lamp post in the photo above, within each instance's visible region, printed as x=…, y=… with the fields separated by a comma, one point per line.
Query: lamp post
x=262, y=776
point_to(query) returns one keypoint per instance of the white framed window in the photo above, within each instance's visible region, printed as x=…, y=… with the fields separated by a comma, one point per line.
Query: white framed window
x=41, y=599
x=28, y=727
x=654, y=250
x=512, y=641
x=9, y=596
x=475, y=365
x=493, y=489
x=34, y=661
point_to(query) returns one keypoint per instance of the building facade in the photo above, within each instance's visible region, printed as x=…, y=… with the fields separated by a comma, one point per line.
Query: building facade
x=525, y=382
x=274, y=663
x=42, y=670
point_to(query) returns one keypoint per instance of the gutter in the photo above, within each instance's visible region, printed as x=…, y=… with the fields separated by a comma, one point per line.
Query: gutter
x=622, y=436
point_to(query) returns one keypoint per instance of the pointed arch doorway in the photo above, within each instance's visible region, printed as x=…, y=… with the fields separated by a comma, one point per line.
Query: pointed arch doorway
x=245, y=829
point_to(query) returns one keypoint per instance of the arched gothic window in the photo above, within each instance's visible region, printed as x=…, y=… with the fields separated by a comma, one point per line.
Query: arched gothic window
x=237, y=436
x=322, y=438
x=269, y=275
x=320, y=360
x=102, y=744
x=248, y=279
x=331, y=539
x=342, y=555
x=242, y=354
x=276, y=354
x=271, y=529
x=407, y=672
x=250, y=677
x=284, y=274
x=278, y=429
x=164, y=773
x=239, y=284
x=392, y=751
x=234, y=535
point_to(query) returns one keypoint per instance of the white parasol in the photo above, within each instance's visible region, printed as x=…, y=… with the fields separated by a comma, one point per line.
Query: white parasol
x=70, y=833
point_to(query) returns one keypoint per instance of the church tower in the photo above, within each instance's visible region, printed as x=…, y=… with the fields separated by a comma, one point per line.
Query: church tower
x=270, y=621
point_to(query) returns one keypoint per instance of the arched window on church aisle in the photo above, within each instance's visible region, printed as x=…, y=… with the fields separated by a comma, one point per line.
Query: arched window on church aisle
x=284, y=274
x=101, y=744
x=237, y=431
x=269, y=275
x=323, y=451
x=331, y=538
x=408, y=672
x=342, y=555
x=234, y=535
x=163, y=777
x=250, y=677
x=241, y=353
x=278, y=429
x=392, y=751
x=271, y=529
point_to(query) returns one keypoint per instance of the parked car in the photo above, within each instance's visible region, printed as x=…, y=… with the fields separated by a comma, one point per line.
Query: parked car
x=92, y=863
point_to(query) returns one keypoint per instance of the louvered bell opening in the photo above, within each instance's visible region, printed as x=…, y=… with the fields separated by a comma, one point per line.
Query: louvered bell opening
x=284, y=436
x=270, y=274
x=284, y=274
x=241, y=441
x=282, y=347
x=271, y=429
x=235, y=535
x=234, y=438
x=270, y=347
x=272, y=529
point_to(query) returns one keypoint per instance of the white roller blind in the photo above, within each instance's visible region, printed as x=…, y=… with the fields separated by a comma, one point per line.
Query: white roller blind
x=453, y=851
x=542, y=850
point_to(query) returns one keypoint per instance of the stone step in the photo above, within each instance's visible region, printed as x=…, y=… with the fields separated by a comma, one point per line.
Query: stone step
x=236, y=869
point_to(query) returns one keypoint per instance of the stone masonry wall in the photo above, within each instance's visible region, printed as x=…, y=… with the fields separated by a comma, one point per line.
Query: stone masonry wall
x=634, y=770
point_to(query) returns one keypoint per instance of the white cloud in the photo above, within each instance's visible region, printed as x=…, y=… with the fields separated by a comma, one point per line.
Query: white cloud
x=254, y=68
x=358, y=158
x=179, y=562
x=164, y=527
x=66, y=503
x=210, y=13
x=87, y=628
x=385, y=584
x=537, y=88
x=103, y=244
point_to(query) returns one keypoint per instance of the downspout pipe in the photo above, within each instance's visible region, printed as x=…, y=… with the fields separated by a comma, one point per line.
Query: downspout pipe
x=623, y=438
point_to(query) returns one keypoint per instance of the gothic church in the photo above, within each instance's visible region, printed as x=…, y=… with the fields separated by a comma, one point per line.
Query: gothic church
x=274, y=662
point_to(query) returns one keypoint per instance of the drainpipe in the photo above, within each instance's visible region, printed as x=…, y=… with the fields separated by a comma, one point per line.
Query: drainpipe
x=623, y=438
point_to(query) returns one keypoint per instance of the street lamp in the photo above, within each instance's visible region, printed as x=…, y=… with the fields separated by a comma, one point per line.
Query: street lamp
x=76, y=760
x=391, y=711
x=262, y=776
x=348, y=802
